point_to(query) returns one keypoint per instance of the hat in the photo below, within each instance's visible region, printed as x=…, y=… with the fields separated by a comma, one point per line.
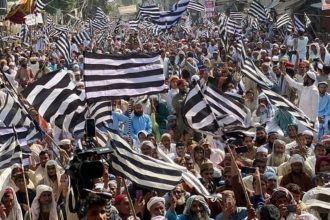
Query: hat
x=119, y=198
x=173, y=77
x=289, y=65
x=262, y=149
x=296, y=158
x=275, y=59
x=153, y=201
x=320, y=66
x=208, y=165
x=308, y=132
x=323, y=83
x=325, y=138
x=64, y=142
x=311, y=75
x=158, y=218
x=171, y=117
x=142, y=131
x=270, y=176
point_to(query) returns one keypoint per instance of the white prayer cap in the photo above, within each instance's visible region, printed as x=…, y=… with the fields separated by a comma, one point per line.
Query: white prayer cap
x=308, y=132
x=154, y=200
x=320, y=66
x=262, y=149
x=158, y=218
x=65, y=142
x=5, y=68
x=296, y=158
x=275, y=59
x=42, y=188
x=144, y=132
x=195, y=78
x=311, y=75
x=149, y=144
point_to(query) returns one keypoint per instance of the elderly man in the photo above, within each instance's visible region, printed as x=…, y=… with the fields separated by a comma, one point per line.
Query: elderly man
x=147, y=148
x=44, y=205
x=278, y=156
x=66, y=151
x=52, y=179
x=297, y=174
x=166, y=144
x=156, y=206
x=196, y=208
x=309, y=98
x=12, y=209
x=178, y=101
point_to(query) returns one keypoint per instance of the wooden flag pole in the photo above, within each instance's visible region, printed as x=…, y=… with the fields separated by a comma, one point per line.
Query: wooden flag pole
x=130, y=200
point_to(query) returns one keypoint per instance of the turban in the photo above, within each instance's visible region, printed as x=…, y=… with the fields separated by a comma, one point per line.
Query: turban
x=296, y=158
x=153, y=201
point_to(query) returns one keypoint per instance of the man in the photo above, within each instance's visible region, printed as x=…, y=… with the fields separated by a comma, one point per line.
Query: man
x=43, y=69
x=12, y=209
x=324, y=108
x=262, y=153
x=299, y=147
x=229, y=208
x=309, y=98
x=160, y=109
x=292, y=133
x=196, y=208
x=147, y=148
x=156, y=206
x=140, y=121
x=123, y=211
x=297, y=174
x=166, y=144
x=24, y=75
x=250, y=155
x=278, y=156
x=180, y=151
x=261, y=136
x=280, y=85
x=52, y=179
x=319, y=151
x=66, y=151
x=309, y=136
x=272, y=136
x=41, y=171
x=44, y=205
x=206, y=173
x=271, y=184
x=173, y=128
x=178, y=101
x=96, y=208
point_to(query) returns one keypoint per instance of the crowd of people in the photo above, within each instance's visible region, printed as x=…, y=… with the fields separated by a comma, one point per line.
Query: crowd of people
x=284, y=166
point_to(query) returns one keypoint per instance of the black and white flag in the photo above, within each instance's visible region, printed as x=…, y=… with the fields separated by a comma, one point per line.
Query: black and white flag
x=64, y=46
x=151, y=11
x=258, y=11
x=196, y=6
x=39, y=6
x=122, y=76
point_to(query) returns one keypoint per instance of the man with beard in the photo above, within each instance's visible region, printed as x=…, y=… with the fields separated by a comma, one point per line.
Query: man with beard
x=43, y=69
x=178, y=101
x=166, y=144
x=309, y=136
x=297, y=174
x=272, y=136
x=140, y=121
x=250, y=155
x=292, y=133
x=207, y=172
x=196, y=209
x=180, y=195
x=319, y=151
x=278, y=156
x=24, y=75
x=44, y=205
x=309, y=98
x=324, y=108
x=41, y=171
x=261, y=136
x=280, y=85
x=123, y=210
x=156, y=206
x=229, y=208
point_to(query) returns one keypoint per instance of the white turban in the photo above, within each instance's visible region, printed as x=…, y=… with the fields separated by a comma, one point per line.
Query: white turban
x=158, y=218
x=35, y=207
x=200, y=199
x=262, y=149
x=296, y=158
x=16, y=211
x=65, y=142
x=153, y=201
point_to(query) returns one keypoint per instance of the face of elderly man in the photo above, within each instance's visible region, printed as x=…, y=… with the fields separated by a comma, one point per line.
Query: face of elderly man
x=45, y=201
x=157, y=209
x=297, y=168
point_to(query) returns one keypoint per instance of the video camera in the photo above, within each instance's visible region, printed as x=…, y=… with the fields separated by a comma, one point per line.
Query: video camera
x=84, y=167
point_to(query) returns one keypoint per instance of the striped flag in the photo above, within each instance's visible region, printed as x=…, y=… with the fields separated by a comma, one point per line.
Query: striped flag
x=64, y=47
x=81, y=37
x=116, y=30
x=134, y=24
x=198, y=113
x=258, y=11
x=222, y=27
x=297, y=23
x=39, y=6
x=284, y=20
x=169, y=19
x=196, y=6
x=250, y=70
x=10, y=153
x=100, y=15
x=236, y=16
x=55, y=96
x=144, y=171
x=233, y=27
x=108, y=77
x=150, y=11
x=12, y=114
x=282, y=103
x=24, y=33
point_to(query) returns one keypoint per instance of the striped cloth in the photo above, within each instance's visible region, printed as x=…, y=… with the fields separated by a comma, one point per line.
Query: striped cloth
x=108, y=77
x=39, y=6
x=196, y=6
x=10, y=153
x=258, y=11
x=144, y=171
x=150, y=11
x=64, y=46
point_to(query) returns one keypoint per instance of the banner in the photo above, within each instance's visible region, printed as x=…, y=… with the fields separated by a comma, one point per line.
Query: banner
x=209, y=8
x=33, y=19
x=325, y=4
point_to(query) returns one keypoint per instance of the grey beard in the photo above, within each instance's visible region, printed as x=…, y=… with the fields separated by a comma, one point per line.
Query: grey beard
x=199, y=216
x=45, y=208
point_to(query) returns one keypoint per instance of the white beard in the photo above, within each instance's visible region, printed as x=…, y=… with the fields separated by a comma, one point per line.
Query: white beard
x=199, y=216
x=277, y=159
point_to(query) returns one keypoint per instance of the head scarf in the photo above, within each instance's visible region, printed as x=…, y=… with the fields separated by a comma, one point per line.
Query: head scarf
x=279, y=193
x=47, y=181
x=200, y=199
x=35, y=207
x=153, y=201
x=16, y=211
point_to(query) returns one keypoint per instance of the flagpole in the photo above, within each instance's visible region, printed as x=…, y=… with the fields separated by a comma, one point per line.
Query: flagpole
x=24, y=179
x=130, y=199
